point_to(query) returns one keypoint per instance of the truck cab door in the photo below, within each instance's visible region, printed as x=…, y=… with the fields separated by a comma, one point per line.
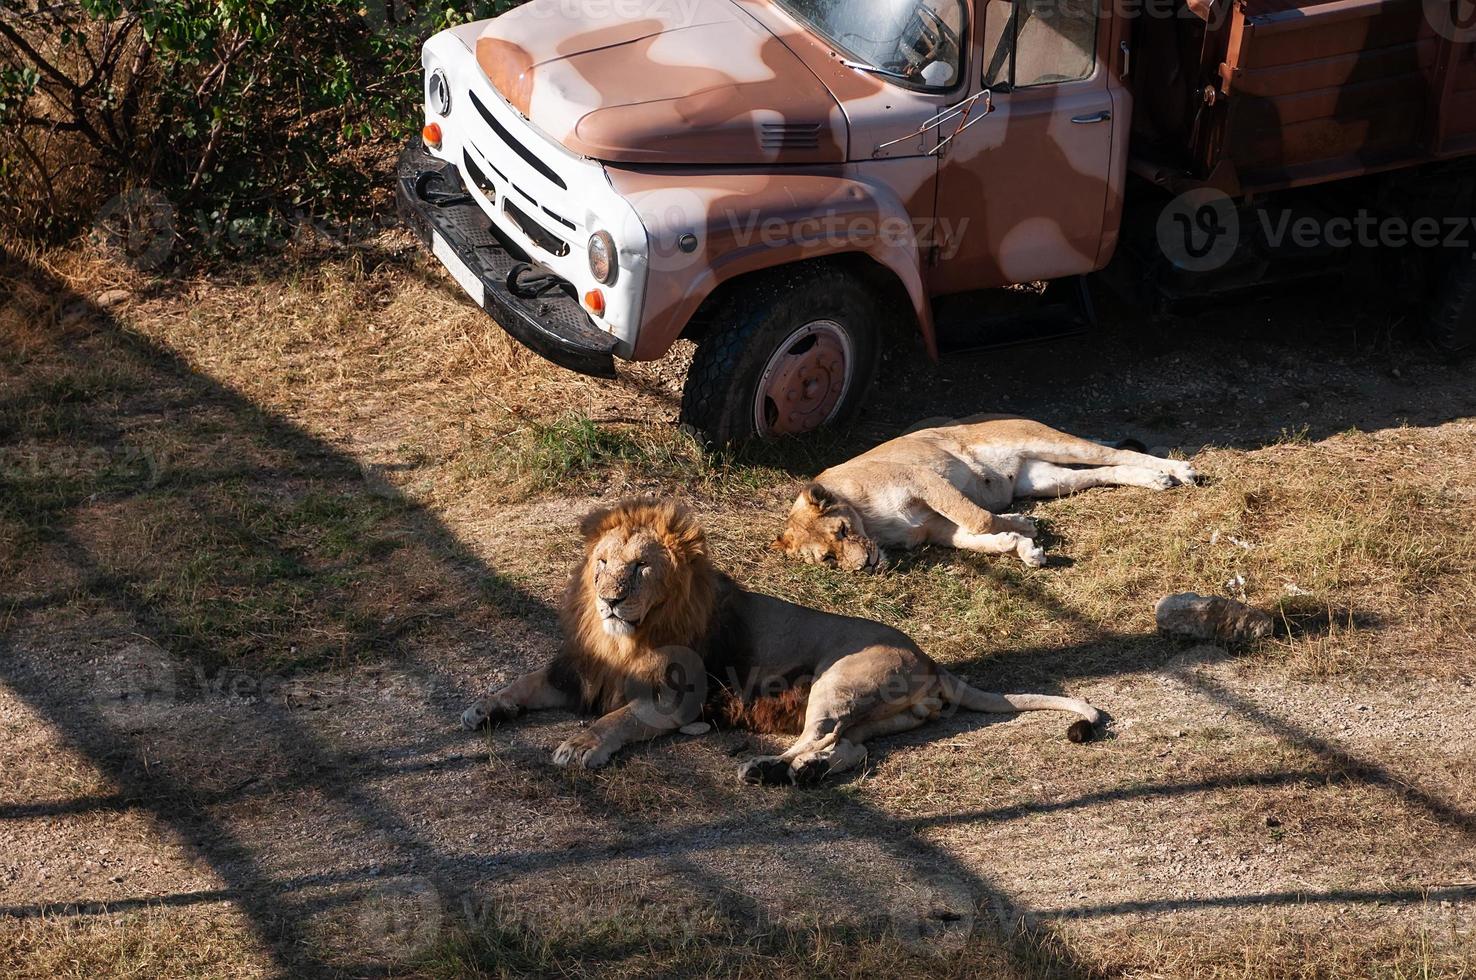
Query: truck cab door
x=1022, y=192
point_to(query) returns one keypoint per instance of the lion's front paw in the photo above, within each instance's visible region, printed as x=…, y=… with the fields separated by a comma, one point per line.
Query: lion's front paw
x=766, y=771
x=488, y=712
x=585, y=749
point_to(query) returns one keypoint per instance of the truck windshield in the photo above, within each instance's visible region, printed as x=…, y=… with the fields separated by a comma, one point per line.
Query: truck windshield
x=916, y=42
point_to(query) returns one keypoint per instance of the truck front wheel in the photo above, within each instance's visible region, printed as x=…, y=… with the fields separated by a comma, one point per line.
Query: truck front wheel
x=784, y=356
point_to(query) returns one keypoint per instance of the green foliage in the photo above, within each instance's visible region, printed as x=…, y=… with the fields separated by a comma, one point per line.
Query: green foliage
x=576, y=454
x=17, y=85
x=234, y=109
x=572, y=448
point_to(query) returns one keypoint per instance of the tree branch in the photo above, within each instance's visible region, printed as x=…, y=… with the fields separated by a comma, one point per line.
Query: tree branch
x=36, y=58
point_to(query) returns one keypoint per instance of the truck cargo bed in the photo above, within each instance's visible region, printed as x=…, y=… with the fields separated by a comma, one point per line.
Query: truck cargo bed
x=1300, y=92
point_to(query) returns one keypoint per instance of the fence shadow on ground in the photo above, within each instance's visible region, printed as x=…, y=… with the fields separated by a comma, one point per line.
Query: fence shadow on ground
x=190, y=541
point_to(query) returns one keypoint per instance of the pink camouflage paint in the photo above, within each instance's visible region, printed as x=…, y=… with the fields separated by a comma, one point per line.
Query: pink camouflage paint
x=660, y=169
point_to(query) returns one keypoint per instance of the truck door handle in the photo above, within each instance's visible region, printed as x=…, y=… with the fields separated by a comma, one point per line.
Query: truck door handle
x=1094, y=117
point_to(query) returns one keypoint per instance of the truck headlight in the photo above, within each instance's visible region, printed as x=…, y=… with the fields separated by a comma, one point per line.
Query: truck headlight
x=438, y=93
x=603, y=262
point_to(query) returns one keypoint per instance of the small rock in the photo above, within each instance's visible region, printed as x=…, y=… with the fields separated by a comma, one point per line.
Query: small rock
x=112, y=298
x=696, y=728
x=1273, y=822
x=1212, y=618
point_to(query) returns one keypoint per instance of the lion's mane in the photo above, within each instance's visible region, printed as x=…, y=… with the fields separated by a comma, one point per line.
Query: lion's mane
x=695, y=611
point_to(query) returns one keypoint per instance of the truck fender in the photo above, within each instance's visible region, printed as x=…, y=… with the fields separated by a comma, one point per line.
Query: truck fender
x=709, y=229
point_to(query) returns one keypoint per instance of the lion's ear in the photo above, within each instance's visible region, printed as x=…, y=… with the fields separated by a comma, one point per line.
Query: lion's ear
x=682, y=533
x=819, y=497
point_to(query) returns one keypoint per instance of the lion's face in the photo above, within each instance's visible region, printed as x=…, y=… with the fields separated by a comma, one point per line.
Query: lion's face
x=629, y=571
x=823, y=530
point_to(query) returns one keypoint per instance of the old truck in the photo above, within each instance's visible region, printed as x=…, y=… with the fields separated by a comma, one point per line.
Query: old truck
x=781, y=180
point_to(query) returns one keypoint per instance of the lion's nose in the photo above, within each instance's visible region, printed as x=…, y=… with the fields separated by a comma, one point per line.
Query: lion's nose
x=613, y=600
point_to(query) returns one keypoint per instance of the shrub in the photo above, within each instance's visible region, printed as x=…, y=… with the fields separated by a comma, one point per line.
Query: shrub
x=233, y=110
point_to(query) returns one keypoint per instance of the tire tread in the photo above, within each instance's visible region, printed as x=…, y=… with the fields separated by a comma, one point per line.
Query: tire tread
x=708, y=390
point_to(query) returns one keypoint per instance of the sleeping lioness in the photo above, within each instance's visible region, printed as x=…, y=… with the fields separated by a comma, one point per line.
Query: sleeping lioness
x=947, y=486
x=655, y=639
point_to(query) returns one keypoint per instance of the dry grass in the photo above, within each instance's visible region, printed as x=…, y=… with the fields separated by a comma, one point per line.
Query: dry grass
x=1364, y=551
x=618, y=950
x=1358, y=543
x=1261, y=952
x=242, y=470
x=1268, y=950
x=155, y=944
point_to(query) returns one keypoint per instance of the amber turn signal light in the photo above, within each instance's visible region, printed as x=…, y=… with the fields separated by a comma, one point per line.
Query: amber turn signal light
x=595, y=300
x=431, y=134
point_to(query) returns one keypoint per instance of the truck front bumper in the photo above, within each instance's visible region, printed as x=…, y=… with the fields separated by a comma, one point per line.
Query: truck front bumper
x=536, y=308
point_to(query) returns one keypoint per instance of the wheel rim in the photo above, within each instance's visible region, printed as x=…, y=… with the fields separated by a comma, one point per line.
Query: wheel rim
x=804, y=381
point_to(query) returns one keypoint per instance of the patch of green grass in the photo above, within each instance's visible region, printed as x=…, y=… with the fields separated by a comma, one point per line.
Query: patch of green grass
x=341, y=525
x=129, y=487
x=256, y=578
x=568, y=448
x=572, y=453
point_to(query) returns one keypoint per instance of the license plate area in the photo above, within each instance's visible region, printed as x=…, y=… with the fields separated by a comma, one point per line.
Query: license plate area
x=460, y=271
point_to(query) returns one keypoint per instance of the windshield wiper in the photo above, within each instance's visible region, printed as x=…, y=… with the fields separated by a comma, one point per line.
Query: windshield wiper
x=862, y=66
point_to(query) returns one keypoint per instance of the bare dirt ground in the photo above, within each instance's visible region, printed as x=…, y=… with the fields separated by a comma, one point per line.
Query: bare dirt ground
x=263, y=536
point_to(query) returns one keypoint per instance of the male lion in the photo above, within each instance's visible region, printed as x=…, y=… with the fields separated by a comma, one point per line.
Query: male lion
x=947, y=485
x=655, y=638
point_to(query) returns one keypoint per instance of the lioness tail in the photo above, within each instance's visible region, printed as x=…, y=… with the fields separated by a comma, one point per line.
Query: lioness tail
x=959, y=692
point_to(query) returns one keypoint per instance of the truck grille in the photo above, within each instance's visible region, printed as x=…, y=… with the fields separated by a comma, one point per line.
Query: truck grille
x=474, y=171
x=539, y=235
x=528, y=156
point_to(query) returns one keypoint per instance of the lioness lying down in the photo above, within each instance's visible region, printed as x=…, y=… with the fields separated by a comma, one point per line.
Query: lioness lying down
x=656, y=638
x=947, y=486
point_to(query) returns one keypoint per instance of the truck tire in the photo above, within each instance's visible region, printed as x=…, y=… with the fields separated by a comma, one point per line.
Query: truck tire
x=1451, y=328
x=785, y=355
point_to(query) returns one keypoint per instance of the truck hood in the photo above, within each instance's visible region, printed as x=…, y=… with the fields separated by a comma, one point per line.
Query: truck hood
x=693, y=81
